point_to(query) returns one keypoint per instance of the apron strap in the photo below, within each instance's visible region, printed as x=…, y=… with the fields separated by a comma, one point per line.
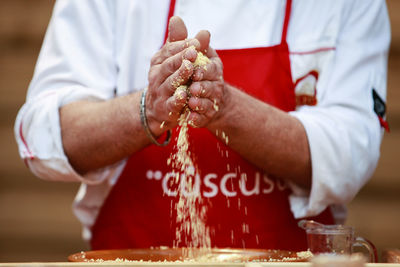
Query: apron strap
x=286, y=21
x=170, y=14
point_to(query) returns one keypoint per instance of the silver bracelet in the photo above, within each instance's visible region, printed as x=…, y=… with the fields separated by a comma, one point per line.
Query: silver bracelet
x=143, y=119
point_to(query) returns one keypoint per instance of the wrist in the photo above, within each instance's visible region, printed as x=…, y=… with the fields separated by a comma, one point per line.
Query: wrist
x=151, y=127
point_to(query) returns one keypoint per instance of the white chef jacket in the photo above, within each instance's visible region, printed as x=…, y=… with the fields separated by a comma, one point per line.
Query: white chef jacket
x=97, y=50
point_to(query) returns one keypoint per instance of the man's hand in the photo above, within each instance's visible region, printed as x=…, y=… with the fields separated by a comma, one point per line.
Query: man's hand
x=207, y=91
x=170, y=67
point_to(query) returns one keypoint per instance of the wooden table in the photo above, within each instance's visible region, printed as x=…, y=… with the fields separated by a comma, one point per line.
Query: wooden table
x=176, y=264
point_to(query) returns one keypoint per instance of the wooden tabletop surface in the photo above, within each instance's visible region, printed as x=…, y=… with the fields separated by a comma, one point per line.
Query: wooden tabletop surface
x=179, y=264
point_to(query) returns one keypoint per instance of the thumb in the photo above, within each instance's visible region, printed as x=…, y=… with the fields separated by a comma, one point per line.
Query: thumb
x=176, y=29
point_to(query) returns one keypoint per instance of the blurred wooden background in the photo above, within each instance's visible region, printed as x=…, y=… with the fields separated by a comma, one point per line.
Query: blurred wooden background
x=36, y=221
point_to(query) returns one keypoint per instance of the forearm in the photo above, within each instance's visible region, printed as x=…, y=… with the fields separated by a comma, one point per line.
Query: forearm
x=266, y=136
x=96, y=134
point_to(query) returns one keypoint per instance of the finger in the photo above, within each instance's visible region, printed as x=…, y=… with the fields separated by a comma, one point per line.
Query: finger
x=213, y=71
x=204, y=38
x=171, y=64
x=197, y=89
x=170, y=49
x=159, y=73
x=176, y=103
x=197, y=120
x=201, y=106
x=206, y=89
x=178, y=78
x=211, y=53
x=176, y=29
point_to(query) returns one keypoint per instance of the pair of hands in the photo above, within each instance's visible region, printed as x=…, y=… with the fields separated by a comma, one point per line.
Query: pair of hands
x=171, y=67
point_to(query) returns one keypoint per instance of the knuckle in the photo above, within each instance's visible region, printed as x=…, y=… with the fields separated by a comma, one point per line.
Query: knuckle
x=170, y=50
x=202, y=90
x=156, y=58
x=153, y=75
x=167, y=50
x=171, y=65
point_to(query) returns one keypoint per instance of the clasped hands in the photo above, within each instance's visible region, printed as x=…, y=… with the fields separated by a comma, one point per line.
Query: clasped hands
x=171, y=67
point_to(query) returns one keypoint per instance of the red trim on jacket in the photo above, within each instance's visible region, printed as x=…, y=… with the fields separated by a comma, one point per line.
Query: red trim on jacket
x=28, y=152
x=318, y=50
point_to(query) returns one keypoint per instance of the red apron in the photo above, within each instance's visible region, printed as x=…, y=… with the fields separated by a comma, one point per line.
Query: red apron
x=246, y=208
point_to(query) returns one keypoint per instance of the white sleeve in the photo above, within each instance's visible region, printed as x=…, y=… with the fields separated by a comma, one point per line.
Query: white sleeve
x=343, y=130
x=76, y=62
